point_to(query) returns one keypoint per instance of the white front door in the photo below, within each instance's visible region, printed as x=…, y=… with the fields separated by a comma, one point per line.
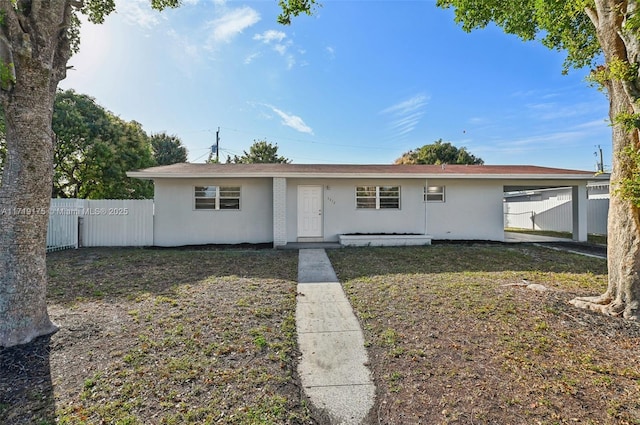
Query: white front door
x=309, y=211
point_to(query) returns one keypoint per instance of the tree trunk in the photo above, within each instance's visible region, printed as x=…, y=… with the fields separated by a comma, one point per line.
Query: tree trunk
x=35, y=35
x=24, y=212
x=622, y=297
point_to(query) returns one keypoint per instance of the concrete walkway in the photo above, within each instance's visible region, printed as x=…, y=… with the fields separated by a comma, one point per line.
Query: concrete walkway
x=333, y=367
x=515, y=237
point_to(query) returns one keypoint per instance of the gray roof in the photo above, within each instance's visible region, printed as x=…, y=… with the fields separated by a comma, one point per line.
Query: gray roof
x=187, y=170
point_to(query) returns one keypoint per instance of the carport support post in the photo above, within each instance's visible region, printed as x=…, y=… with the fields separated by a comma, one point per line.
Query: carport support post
x=579, y=212
x=279, y=211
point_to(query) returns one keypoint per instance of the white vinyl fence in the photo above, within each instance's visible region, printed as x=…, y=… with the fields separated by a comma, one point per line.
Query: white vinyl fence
x=555, y=214
x=63, y=224
x=81, y=222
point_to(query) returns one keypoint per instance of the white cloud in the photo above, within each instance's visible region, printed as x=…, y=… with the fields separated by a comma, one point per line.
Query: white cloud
x=291, y=120
x=406, y=114
x=331, y=52
x=278, y=41
x=251, y=57
x=139, y=13
x=269, y=36
x=232, y=23
x=186, y=53
x=275, y=39
x=291, y=62
x=406, y=106
x=559, y=111
x=280, y=48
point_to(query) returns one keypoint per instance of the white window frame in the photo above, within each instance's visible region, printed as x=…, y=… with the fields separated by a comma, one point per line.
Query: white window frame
x=378, y=197
x=436, y=193
x=217, y=197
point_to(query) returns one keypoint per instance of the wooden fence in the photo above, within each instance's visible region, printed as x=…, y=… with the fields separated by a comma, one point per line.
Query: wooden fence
x=81, y=222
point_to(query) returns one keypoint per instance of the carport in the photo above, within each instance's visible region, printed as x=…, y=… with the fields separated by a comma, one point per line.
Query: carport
x=579, y=199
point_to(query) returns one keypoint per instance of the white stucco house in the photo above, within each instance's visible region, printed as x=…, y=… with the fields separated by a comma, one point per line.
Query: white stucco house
x=285, y=203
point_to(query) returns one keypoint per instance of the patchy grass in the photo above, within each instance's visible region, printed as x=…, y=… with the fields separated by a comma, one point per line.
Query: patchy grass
x=203, y=337
x=452, y=341
x=591, y=238
x=166, y=337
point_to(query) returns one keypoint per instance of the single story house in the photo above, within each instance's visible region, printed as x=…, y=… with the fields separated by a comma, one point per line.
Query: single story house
x=284, y=203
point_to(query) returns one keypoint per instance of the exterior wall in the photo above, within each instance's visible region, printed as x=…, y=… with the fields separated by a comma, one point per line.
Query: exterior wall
x=178, y=223
x=472, y=209
x=340, y=215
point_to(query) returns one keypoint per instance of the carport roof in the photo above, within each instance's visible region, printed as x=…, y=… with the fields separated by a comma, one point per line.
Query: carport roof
x=518, y=172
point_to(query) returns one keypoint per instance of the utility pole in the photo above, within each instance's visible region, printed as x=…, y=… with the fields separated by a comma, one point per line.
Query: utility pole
x=215, y=148
x=601, y=162
x=218, y=146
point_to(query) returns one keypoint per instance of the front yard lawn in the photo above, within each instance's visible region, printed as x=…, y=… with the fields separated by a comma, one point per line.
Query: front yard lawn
x=452, y=341
x=178, y=336
x=163, y=337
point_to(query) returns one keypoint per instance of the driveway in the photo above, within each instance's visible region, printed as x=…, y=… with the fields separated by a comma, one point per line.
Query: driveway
x=513, y=237
x=564, y=244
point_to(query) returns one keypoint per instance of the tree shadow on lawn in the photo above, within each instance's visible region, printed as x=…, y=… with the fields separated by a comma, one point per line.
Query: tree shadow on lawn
x=26, y=390
x=114, y=273
x=461, y=258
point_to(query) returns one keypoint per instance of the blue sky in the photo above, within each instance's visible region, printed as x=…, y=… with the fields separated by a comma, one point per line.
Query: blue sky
x=361, y=81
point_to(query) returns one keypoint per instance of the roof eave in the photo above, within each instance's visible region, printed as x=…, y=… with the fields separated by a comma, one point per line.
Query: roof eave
x=324, y=175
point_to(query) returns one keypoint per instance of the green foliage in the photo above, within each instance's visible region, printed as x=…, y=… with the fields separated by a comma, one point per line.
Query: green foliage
x=616, y=70
x=628, y=120
x=628, y=188
x=561, y=25
x=292, y=8
x=213, y=160
x=167, y=149
x=7, y=75
x=261, y=152
x=94, y=150
x=439, y=152
x=97, y=10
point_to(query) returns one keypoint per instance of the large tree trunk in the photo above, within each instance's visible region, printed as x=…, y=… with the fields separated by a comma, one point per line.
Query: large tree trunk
x=622, y=297
x=34, y=40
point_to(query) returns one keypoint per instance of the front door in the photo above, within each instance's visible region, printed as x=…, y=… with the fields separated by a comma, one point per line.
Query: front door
x=310, y=211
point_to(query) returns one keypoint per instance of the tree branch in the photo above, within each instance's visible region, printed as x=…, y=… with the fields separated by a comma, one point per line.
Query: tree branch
x=593, y=16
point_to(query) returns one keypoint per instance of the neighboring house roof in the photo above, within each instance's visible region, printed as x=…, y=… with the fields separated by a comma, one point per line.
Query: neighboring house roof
x=186, y=170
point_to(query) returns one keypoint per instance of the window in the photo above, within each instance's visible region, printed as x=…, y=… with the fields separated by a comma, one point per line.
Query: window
x=217, y=197
x=434, y=194
x=378, y=197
